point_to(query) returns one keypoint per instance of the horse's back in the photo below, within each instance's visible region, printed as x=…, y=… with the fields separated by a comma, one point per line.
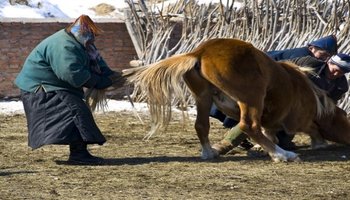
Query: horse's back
x=230, y=61
x=232, y=52
x=222, y=44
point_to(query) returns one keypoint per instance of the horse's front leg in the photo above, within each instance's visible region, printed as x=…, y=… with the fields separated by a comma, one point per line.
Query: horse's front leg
x=250, y=124
x=202, y=127
x=317, y=141
x=276, y=153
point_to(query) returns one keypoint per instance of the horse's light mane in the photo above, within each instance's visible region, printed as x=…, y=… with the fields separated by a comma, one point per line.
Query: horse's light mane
x=304, y=69
x=325, y=105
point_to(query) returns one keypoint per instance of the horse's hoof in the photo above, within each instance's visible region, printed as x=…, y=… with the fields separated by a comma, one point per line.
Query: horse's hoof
x=293, y=157
x=288, y=157
x=222, y=147
x=297, y=159
x=212, y=154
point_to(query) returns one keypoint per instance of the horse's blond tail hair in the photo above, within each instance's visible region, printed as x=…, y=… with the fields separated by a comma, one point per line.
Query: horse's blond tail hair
x=325, y=105
x=161, y=85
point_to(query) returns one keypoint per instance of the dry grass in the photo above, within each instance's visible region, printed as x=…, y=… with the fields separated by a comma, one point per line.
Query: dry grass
x=165, y=167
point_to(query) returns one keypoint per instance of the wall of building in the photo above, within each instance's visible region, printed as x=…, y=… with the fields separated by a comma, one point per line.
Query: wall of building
x=19, y=36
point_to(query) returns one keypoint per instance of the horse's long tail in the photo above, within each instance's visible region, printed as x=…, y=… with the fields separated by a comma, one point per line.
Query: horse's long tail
x=161, y=85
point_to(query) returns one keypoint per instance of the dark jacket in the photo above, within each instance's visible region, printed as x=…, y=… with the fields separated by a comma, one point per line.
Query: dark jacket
x=334, y=88
x=59, y=62
x=288, y=54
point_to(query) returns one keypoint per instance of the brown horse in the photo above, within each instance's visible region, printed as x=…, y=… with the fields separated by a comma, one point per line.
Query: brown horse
x=243, y=82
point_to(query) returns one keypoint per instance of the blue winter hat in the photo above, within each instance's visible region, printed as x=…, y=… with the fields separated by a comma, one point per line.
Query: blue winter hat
x=328, y=43
x=342, y=61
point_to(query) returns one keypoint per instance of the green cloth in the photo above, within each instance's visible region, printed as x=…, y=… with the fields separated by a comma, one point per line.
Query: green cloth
x=235, y=136
x=59, y=62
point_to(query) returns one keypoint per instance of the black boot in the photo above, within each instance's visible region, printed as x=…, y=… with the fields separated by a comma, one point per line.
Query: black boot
x=80, y=155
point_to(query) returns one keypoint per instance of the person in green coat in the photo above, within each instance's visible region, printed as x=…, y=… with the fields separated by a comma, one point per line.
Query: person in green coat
x=52, y=83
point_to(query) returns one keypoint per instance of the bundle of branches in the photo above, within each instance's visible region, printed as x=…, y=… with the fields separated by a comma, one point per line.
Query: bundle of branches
x=267, y=24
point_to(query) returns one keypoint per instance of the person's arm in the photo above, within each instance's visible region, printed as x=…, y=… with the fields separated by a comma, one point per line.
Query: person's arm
x=106, y=71
x=115, y=76
x=309, y=61
x=306, y=61
x=341, y=87
x=98, y=82
x=288, y=54
x=69, y=64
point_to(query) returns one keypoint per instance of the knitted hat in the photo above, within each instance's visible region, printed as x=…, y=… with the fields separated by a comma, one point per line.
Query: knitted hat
x=328, y=43
x=342, y=61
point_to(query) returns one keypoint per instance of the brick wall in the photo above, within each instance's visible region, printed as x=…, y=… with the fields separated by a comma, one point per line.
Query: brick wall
x=19, y=36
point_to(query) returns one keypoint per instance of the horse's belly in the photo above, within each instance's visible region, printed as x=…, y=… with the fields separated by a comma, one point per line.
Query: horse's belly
x=226, y=105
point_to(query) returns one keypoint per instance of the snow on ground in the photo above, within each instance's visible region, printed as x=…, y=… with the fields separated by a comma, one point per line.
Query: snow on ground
x=11, y=107
x=73, y=8
x=16, y=107
x=58, y=9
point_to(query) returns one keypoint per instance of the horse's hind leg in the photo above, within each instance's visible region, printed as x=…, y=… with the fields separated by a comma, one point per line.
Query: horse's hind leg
x=201, y=89
x=202, y=127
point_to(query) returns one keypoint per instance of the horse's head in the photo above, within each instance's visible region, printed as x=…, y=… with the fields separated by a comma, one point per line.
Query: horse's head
x=335, y=127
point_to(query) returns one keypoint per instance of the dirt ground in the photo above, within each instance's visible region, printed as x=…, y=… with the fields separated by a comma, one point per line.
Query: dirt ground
x=165, y=167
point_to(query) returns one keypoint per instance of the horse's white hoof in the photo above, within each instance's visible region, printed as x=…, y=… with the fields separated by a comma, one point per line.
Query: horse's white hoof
x=288, y=156
x=210, y=154
x=297, y=159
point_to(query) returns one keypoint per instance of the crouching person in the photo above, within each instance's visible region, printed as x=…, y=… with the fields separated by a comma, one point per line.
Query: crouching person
x=52, y=81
